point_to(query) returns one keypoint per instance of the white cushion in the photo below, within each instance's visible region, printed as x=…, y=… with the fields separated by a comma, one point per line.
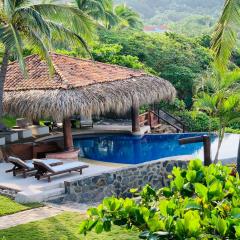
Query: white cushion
x=48, y=161
x=67, y=166
x=28, y=163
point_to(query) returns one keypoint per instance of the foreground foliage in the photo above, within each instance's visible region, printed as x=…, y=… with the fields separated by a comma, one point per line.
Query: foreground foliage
x=61, y=227
x=200, y=203
x=8, y=206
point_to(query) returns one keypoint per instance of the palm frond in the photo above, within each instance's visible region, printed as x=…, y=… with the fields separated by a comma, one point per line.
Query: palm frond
x=19, y=49
x=225, y=35
x=35, y=41
x=128, y=17
x=66, y=15
x=206, y=103
x=6, y=36
x=65, y=34
x=231, y=80
x=30, y=17
x=8, y=7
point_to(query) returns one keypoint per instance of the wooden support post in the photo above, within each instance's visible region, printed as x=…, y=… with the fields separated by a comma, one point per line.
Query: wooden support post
x=150, y=123
x=67, y=135
x=207, y=150
x=205, y=139
x=35, y=122
x=135, y=116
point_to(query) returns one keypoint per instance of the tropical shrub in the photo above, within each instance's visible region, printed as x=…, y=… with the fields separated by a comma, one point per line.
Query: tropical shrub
x=200, y=203
x=232, y=130
x=235, y=125
x=172, y=107
x=196, y=121
x=111, y=53
x=219, y=97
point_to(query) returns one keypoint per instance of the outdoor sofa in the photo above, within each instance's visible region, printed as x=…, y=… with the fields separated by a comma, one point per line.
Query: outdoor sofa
x=45, y=170
x=86, y=123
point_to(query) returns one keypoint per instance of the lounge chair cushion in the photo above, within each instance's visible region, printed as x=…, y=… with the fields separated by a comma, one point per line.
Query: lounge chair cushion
x=48, y=161
x=67, y=166
x=27, y=164
x=86, y=122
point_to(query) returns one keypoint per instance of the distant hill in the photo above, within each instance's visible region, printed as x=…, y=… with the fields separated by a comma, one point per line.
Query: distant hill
x=199, y=15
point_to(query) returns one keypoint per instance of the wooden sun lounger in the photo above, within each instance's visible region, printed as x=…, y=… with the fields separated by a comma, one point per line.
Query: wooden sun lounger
x=44, y=170
x=26, y=168
x=20, y=166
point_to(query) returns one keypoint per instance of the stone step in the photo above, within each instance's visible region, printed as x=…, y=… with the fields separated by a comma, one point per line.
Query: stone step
x=57, y=199
x=52, y=186
x=8, y=192
x=38, y=195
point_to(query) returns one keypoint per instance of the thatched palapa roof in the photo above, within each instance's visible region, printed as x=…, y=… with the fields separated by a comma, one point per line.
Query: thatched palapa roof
x=78, y=87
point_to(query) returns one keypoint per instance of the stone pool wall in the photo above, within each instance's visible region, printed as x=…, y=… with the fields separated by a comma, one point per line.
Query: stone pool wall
x=118, y=182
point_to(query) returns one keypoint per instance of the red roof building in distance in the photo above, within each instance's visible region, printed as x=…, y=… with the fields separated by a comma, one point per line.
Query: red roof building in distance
x=156, y=28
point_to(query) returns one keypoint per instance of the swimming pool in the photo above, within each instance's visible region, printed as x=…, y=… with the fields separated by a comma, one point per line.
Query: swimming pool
x=130, y=149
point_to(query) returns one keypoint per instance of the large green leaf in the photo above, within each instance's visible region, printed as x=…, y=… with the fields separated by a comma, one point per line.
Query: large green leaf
x=237, y=229
x=235, y=213
x=191, y=175
x=192, y=223
x=179, y=182
x=201, y=191
x=221, y=226
x=215, y=191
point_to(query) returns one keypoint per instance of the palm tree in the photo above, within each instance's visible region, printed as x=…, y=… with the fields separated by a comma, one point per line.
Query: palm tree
x=99, y=10
x=219, y=96
x=127, y=17
x=226, y=32
x=224, y=40
x=36, y=25
x=103, y=11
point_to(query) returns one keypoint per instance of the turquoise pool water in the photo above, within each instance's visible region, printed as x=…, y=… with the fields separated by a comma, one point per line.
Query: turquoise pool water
x=130, y=149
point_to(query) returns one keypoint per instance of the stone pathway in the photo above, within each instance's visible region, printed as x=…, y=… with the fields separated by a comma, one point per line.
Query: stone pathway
x=72, y=206
x=29, y=216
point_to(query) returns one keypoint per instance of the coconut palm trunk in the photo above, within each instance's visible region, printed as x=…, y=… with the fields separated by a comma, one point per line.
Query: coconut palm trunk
x=3, y=73
x=221, y=136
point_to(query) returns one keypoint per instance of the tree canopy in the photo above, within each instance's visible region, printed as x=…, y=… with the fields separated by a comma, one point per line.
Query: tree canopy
x=179, y=59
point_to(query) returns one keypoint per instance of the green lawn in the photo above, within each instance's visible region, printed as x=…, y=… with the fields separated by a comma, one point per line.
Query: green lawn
x=62, y=227
x=8, y=206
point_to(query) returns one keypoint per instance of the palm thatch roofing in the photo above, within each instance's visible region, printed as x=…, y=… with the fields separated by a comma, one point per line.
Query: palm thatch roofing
x=78, y=87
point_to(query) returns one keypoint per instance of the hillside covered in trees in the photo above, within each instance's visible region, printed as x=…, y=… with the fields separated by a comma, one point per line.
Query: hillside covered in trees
x=190, y=17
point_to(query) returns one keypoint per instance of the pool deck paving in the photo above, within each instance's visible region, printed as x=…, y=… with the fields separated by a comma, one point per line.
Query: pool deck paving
x=31, y=190
x=97, y=129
